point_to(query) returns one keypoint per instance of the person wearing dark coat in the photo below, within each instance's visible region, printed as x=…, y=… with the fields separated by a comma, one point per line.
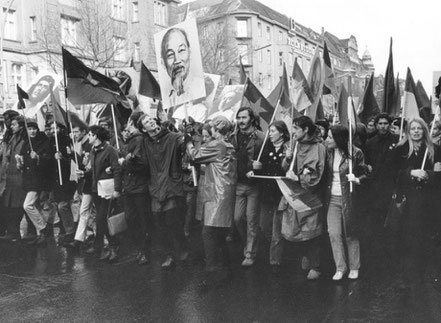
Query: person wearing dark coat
x=420, y=185
x=11, y=188
x=35, y=170
x=342, y=211
x=136, y=191
x=164, y=150
x=103, y=166
x=63, y=191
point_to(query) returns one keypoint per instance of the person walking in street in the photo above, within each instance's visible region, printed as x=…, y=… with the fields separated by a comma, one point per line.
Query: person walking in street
x=247, y=140
x=219, y=190
x=342, y=213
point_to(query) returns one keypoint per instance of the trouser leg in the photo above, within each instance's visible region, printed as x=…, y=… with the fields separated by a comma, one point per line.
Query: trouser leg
x=33, y=212
x=276, y=248
x=335, y=229
x=65, y=213
x=85, y=210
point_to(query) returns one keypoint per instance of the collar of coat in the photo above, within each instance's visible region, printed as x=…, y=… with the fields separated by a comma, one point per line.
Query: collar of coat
x=100, y=147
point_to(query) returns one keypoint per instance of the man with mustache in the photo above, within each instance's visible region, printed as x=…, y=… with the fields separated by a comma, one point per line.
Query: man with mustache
x=176, y=57
x=247, y=141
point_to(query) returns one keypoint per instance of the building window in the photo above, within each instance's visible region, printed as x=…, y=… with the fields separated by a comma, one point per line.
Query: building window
x=280, y=58
x=119, y=48
x=242, y=28
x=268, y=33
x=259, y=29
x=33, y=27
x=270, y=82
x=260, y=79
x=16, y=77
x=160, y=13
x=137, y=52
x=268, y=57
x=10, y=24
x=68, y=31
x=118, y=9
x=280, y=36
x=243, y=53
x=135, y=12
x=260, y=54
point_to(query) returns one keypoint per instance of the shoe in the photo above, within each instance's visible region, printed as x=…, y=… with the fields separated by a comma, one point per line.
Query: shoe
x=91, y=251
x=10, y=237
x=113, y=254
x=338, y=275
x=104, y=255
x=248, y=262
x=74, y=245
x=313, y=275
x=144, y=260
x=353, y=274
x=184, y=255
x=29, y=237
x=168, y=263
x=38, y=241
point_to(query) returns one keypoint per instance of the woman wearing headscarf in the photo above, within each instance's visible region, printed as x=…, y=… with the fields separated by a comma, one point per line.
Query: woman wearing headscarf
x=219, y=191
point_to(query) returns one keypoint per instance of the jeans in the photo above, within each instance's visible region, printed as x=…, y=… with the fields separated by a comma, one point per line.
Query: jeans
x=214, y=241
x=102, y=229
x=339, y=239
x=246, y=216
x=267, y=211
x=34, y=214
x=138, y=216
x=276, y=247
x=76, y=206
x=85, y=212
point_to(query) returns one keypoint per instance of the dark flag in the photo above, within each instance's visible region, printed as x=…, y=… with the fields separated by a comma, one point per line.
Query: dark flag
x=369, y=105
x=344, y=111
x=86, y=86
x=329, y=85
x=243, y=74
x=410, y=106
x=389, y=106
x=302, y=95
x=60, y=116
x=397, y=96
x=21, y=96
x=258, y=103
x=422, y=97
x=148, y=86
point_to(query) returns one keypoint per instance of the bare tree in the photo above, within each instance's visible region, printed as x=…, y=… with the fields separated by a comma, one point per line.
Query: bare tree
x=93, y=32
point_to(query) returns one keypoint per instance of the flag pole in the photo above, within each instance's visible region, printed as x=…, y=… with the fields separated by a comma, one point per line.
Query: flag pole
x=350, y=111
x=60, y=177
x=267, y=131
x=294, y=155
x=114, y=126
x=193, y=169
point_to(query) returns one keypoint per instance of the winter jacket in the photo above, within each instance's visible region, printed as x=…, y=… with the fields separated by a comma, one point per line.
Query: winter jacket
x=102, y=157
x=350, y=207
x=35, y=171
x=164, y=155
x=251, y=151
x=135, y=166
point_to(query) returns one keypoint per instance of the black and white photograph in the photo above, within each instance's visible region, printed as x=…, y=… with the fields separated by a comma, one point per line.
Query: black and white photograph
x=220, y=161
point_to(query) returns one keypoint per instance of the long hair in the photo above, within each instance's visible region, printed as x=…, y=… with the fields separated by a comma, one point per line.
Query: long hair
x=340, y=134
x=282, y=128
x=426, y=138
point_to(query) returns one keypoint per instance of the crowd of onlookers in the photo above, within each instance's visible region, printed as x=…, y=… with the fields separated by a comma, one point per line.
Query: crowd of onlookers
x=223, y=175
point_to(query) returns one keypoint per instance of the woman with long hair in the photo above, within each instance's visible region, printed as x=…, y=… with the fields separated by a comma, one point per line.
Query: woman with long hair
x=342, y=216
x=418, y=182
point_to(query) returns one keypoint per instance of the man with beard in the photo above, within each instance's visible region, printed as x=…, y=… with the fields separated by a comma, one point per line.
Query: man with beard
x=176, y=57
x=247, y=141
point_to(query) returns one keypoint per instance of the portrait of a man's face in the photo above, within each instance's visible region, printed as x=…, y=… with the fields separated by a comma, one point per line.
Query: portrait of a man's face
x=41, y=90
x=178, y=55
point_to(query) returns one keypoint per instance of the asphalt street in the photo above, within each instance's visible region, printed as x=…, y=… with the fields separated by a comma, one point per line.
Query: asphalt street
x=53, y=284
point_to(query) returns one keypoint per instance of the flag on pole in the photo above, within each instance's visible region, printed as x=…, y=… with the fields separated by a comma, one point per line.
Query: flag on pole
x=297, y=197
x=316, y=81
x=148, y=86
x=21, y=96
x=389, y=106
x=301, y=93
x=60, y=116
x=410, y=106
x=422, y=97
x=344, y=113
x=86, y=86
x=242, y=73
x=369, y=105
x=258, y=103
x=329, y=82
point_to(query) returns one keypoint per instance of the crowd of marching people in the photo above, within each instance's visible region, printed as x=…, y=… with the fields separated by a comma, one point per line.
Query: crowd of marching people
x=303, y=183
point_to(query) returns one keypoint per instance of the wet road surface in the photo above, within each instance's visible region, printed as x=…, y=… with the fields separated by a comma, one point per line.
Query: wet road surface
x=53, y=284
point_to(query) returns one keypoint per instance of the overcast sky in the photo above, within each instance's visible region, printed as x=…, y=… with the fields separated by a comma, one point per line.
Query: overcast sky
x=415, y=27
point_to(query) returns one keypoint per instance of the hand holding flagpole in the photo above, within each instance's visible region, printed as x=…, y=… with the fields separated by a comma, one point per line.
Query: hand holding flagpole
x=267, y=132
